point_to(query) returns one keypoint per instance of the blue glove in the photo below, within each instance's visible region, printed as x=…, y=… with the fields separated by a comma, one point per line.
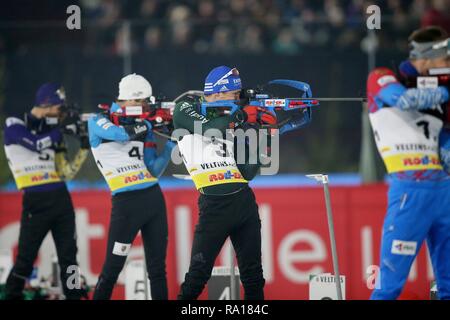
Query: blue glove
x=149, y=131
x=422, y=99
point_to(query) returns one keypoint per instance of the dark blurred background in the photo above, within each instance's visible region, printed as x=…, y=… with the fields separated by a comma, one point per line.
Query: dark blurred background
x=175, y=43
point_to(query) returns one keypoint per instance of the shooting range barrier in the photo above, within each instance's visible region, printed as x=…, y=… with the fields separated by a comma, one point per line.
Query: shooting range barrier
x=295, y=237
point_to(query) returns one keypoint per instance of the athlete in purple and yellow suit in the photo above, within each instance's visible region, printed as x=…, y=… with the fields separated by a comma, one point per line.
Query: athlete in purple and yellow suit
x=34, y=147
x=407, y=115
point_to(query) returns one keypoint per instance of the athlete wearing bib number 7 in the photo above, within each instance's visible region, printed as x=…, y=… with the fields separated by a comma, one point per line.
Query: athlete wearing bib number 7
x=227, y=205
x=407, y=113
x=124, y=149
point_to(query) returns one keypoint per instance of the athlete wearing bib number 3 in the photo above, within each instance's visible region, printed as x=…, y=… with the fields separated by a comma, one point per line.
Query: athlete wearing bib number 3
x=407, y=113
x=125, y=153
x=227, y=205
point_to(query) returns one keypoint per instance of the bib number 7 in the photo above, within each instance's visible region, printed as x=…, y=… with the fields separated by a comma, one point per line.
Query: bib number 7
x=426, y=128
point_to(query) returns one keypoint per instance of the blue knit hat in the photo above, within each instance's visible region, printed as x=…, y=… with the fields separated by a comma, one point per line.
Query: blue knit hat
x=50, y=94
x=222, y=79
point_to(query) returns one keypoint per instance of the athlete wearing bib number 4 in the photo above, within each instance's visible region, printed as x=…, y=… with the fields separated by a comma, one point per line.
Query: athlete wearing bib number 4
x=34, y=147
x=124, y=149
x=227, y=205
x=407, y=113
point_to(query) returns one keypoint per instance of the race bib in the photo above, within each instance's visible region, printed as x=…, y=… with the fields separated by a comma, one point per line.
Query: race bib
x=407, y=140
x=122, y=164
x=209, y=161
x=31, y=168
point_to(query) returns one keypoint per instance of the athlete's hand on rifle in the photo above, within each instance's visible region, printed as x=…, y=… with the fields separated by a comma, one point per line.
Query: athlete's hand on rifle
x=259, y=115
x=70, y=123
x=149, y=134
x=137, y=131
x=161, y=121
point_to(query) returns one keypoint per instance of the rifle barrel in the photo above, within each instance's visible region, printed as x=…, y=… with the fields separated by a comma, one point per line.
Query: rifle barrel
x=334, y=99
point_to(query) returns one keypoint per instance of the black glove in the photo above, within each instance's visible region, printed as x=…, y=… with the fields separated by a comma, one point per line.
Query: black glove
x=71, y=123
x=137, y=131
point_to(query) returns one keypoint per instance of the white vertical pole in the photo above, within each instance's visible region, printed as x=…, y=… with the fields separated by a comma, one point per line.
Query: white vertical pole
x=322, y=178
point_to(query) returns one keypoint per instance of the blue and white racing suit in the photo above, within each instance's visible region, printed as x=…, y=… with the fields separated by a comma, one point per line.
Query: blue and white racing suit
x=131, y=168
x=407, y=124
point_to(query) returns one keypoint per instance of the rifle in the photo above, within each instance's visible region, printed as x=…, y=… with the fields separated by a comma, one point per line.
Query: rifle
x=292, y=113
x=159, y=114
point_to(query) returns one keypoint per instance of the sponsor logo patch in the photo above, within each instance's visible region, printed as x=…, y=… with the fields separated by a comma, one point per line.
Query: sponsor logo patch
x=427, y=82
x=44, y=143
x=121, y=249
x=227, y=175
x=137, y=177
x=223, y=81
x=107, y=125
x=102, y=121
x=133, y=110
x=137, y=93
x=184, y=105
x=268, y=103
x=275, y=103
x=279, y=102
x=405, y=248
x=44, y=177
x=140, y=129
x=426, y=160
x=384, y=80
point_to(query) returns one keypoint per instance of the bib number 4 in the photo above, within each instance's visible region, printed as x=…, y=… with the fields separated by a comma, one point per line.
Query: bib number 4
x=135, y=153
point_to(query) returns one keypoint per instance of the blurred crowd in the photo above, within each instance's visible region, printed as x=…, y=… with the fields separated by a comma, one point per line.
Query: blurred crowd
x=252, y=26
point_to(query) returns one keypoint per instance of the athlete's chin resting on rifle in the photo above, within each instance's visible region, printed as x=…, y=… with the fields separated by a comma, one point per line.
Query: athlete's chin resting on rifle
x=251, y=114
